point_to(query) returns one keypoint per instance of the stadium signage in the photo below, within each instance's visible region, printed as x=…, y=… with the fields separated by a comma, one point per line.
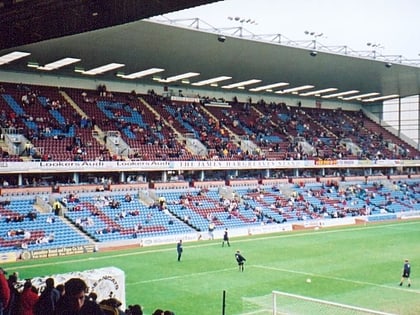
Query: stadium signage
x=243, y=164
x=102, y=166
x=145, y=164
x=72, y=164
x=107, y=278
x=346, y=162
x=326, y=162
x=184, y=99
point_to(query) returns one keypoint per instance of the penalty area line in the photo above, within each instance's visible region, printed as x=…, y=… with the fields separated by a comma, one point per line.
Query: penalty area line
x=336, y=278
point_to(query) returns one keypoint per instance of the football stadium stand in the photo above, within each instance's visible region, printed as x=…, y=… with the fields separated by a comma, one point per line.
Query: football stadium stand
x=44, y=211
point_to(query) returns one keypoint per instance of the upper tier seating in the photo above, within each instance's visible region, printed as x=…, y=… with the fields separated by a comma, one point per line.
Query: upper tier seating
x=52, y=126
x=154, y=128
x=146, y=133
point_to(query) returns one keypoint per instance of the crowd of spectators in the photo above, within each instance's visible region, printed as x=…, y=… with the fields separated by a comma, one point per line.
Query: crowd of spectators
x=71, y=297
x=272, y=127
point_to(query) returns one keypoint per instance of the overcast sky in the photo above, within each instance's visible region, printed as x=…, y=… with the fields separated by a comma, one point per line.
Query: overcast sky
x=392, y=24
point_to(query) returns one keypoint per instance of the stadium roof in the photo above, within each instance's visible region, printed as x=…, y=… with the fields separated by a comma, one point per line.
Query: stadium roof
x=169, y=50
x=29, y=21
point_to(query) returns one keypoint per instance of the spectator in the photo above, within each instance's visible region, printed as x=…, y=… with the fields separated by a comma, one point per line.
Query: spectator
x=60, y=289
x=93, y=297
x=28, y=299
x=48, y=299
x=111, y=306
x=134, y=310
x=4, y=291
x=74, y=301
x=14, y=304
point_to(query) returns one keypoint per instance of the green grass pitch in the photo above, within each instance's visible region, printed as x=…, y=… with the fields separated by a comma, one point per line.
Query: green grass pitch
x=355, y=265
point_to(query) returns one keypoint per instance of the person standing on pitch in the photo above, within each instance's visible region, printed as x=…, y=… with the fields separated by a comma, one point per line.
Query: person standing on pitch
x=179, y=249
x=240, y=260
x=225, y=238
x=406, y=273
x=211, y=230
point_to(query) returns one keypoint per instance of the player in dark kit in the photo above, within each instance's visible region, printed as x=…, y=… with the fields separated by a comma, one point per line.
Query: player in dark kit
x=240, y=259
x=406, y=273
x=225, y=238
x=179, y=249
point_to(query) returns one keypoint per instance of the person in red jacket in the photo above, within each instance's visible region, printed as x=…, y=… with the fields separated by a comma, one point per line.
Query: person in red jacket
x=4, y=291
x=28, y=298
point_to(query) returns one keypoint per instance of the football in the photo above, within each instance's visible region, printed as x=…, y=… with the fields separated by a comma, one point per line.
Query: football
x=308, y=280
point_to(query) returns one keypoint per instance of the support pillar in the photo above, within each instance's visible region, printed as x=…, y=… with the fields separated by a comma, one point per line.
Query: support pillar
x=122, y=177
x=76, y=178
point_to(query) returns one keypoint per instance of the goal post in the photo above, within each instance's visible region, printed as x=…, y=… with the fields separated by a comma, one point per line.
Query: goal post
x=292, y=304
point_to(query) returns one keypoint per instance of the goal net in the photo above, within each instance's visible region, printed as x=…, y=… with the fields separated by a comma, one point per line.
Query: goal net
x=292, y=304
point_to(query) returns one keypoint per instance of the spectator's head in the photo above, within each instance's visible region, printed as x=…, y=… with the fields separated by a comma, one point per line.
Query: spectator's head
x=135, y=310
x=27, y=284
x=49, y=282
x=158, y=312
x=60, y=288
x=12, y=279
x=167, y=312
x=112, y=302
x=75, y=290
x=93, y=296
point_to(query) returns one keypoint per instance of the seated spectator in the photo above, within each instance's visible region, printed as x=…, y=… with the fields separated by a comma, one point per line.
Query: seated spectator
x=114, y=204
x=32, y=215
x=50, y=219
x=127, y=198
x=134, y=213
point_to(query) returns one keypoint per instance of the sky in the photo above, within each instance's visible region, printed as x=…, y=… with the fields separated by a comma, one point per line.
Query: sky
x=391, y=25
